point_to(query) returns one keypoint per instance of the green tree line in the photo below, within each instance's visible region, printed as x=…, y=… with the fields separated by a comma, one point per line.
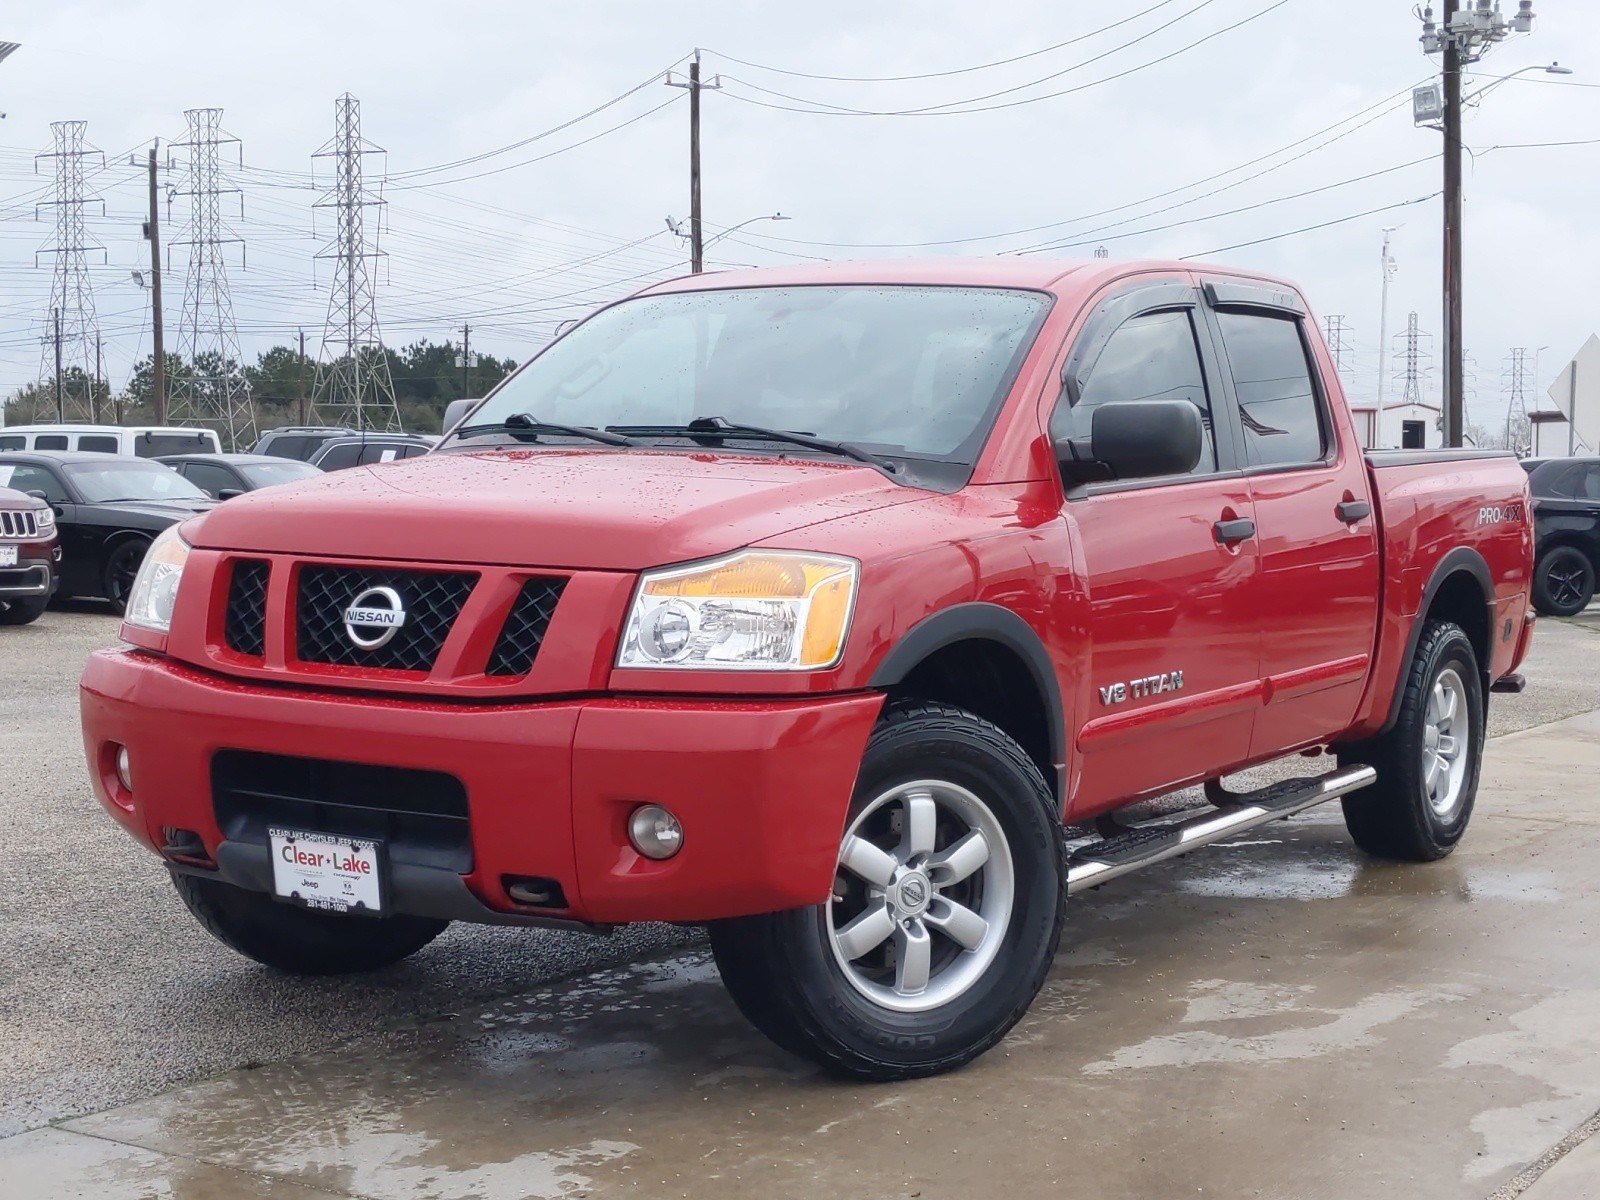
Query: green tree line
x=426, y=378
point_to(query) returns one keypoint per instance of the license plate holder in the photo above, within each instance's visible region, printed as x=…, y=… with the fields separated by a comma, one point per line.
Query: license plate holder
x=8, y=556
x=328, y=871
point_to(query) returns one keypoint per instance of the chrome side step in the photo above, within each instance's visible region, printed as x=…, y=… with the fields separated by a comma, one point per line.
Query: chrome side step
x=1145, y=845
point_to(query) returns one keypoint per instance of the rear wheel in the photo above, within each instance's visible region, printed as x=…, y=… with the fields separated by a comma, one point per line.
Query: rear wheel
x=302, y=941
x=1563, y=582
x=22, y=611
x=945, y=914
x=1427, y=765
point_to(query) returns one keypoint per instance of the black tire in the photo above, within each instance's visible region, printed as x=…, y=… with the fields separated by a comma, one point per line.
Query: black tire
x=302, y=941
x=1396, y=817
x=781, y=968
x=23, y=611
x=1563, y=582
x=122, y=564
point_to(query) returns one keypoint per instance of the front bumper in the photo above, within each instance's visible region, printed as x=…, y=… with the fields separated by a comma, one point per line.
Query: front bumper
x=760, y=786
x=35, y=572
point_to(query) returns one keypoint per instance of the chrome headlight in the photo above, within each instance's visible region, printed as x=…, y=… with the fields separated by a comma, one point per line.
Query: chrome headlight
x=758, y=610
x=155, y=587
x=45, y=520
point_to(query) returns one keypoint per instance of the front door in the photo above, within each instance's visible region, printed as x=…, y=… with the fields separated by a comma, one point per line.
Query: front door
x=1316, y=532
x=1169, y=564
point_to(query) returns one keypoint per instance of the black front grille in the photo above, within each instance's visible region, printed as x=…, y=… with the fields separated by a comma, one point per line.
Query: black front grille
x=244, y=627
x=15, y=524
x=523, y=633
x=432, y=600
x=420, y=815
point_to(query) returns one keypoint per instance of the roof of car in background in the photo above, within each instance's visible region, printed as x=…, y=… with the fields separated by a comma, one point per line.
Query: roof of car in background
x=69, y=456
x=237, y=460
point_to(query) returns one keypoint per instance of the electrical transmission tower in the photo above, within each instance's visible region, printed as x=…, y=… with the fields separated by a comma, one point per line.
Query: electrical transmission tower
x=1413, y=361
x=353, y=385
x=72, y=330
x=211, y=388
x=1335, y=330
x=1518, y=379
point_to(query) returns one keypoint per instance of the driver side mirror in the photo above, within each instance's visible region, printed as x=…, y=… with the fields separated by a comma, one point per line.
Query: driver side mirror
x=1139, y=439
x=456, y=411
x=229, y=493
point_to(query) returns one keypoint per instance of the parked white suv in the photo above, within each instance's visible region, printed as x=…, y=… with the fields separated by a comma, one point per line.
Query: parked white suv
x=141, y=441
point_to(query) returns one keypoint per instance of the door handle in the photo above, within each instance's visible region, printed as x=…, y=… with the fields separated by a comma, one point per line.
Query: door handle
x=1232, y=532
x=1351, y=511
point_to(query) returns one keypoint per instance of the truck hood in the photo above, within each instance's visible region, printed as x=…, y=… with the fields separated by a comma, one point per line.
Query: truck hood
x=597, y=509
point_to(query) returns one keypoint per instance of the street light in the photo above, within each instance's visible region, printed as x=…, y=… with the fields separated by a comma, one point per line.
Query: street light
x=677, y=229
x=1467, y=31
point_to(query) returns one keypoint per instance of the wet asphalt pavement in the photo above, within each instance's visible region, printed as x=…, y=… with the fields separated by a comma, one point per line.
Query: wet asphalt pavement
x=1278, y=1017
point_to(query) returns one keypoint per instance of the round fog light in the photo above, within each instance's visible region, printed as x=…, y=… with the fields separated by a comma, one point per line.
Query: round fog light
x=124, y=769
x=654, y=832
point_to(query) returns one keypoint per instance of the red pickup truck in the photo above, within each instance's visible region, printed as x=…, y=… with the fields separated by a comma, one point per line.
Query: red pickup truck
x=814, y=606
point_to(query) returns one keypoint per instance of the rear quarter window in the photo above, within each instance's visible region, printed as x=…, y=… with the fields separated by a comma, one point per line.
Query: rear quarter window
x=1278, y=402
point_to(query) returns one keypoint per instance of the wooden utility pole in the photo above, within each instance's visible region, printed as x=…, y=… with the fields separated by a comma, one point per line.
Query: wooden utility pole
x=152, y=230
x=300, y=383
x=466, y=359
x=1454, y=360
x=94, y=386
x=61, y=407
x=697, y=241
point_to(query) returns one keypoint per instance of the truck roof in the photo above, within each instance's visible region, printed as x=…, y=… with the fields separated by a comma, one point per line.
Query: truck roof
x=1006, y=271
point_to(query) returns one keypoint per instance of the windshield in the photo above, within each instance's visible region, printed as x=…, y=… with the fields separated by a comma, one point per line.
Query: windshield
x=131, y=481
x=914, y=371
x=266, y=474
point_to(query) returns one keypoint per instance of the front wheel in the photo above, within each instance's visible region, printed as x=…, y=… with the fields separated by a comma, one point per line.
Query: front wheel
x=945, y=913
x=301, y=941
x=23, y=611
x=1563, y=582
x=122, y=566
x=1427, y=765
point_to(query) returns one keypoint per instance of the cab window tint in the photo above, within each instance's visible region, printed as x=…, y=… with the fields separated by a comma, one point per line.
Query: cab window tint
x=1278, y=403
x=25, y=478
x=100, y=443
x=50, y=441
x=339, y=457
x=1150, y=357
x=210, y=478
x=13, y=441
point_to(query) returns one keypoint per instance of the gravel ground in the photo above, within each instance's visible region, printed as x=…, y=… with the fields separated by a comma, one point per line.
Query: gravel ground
x=109, y=991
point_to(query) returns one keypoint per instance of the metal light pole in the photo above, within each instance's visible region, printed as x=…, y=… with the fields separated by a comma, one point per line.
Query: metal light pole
x=1389, y=267
x=1468, y=30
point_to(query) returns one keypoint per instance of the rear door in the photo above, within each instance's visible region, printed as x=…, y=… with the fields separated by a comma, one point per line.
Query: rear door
x=1172, y=624
x=1317, y=536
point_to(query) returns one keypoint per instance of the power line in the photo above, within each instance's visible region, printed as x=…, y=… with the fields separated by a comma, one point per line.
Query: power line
x=803, y=105
x=999, y=62
x=1276, y=237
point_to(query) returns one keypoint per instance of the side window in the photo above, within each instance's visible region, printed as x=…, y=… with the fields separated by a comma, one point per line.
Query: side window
x=210, y=478
x=25, y=478
x=100, y=443
x=1591, y=484
x=379, y=454
x=1278, y=403
x=340, y=457
x=1150, y=357
x=13, y=441
x=50, y=441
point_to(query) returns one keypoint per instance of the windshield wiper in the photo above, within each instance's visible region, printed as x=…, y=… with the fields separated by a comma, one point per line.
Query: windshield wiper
x=721, y=428
x=527, y=427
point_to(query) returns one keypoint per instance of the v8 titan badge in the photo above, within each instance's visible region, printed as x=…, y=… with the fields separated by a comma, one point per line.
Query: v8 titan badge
x=321, y=870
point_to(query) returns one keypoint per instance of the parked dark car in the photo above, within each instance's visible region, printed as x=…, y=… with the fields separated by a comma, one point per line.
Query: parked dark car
x=29, y=553
x=108, y=509
x=363, y=450
x=1566, y=509
x=223, y=476
x=298, y=441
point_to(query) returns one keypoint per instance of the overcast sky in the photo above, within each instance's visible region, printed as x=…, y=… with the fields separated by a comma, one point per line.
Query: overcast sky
x=513, y=245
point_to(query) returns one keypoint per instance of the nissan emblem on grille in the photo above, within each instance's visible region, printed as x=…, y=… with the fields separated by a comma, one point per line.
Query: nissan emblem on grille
x=374, y=617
